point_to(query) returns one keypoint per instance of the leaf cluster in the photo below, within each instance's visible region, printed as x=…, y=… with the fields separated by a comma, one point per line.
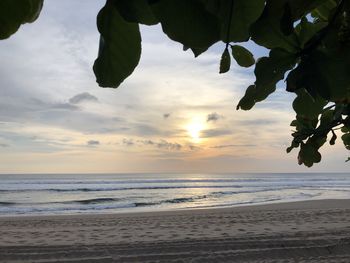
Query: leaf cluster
x=308, y=43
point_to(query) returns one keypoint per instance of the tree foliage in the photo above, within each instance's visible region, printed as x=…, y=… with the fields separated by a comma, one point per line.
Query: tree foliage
x=308, y=42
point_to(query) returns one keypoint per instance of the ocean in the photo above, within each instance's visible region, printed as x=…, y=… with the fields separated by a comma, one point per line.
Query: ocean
x=52, y=194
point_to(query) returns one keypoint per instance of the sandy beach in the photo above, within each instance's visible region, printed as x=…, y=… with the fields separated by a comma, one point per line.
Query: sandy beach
x=308, y=231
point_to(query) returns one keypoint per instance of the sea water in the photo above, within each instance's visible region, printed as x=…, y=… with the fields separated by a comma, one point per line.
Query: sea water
x=45, y=194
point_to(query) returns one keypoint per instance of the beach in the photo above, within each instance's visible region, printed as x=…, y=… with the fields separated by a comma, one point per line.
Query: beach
x=306, y=231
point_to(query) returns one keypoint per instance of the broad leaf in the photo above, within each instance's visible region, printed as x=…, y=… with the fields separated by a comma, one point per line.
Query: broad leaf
x=346, y=140
x=308, y=107
x=300, y=8
x=120, y=47
x=242, y=56
x=308, y=154
x=324, y=75
x=138, y=11
x=244, y=13
x=248, y=100
x=306, y=30
x=268, y=71
x=14, y=13
x=333, y=139
x=324, y=10
x=266, y=31
x=287, y=26
x=187, y=22
x=225, y=61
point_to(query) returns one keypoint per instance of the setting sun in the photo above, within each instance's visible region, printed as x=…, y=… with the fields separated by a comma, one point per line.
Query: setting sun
x=194, y=129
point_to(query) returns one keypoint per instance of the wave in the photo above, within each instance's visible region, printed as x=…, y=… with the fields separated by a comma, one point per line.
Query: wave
x=146, y=181
x=83, y=201
x=7, y=203
x=98, y=189
x=173, y=201
x=101, y=188
x=93, y=201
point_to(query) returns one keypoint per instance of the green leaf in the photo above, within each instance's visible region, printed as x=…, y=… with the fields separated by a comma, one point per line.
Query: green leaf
x=242, y=56
x=138, y=11
x=187, y=22
x=346, y=140
x=333, y=139
x=266, y=31
x=326, y=119
x=293, y=145
x=300, y=8
x=308, y=155
x=14, y=13
x=306, y=106
x=225, y=61
x=120, y=47
x=345, y=129
x=306, y=30
x=268, y=71
x=286, y=22
x=248, y=100
x=294, y=123
x=323, y=74
x=324, y=10
x=244, y=13
x=196, y=51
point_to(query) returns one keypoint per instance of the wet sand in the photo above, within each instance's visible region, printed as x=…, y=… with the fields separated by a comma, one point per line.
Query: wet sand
x=309, y=231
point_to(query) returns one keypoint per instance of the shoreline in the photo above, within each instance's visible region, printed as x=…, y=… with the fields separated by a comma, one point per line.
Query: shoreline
x=312, y=204
x=305, y=231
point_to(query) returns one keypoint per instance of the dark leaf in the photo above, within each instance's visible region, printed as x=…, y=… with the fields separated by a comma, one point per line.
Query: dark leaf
x=300, y=8
x=225, y=61
x=333, y=139
x=268, y=71
x=138, y=11
x=14, y=13
x=244, y=13
x=307, y=107
x=346, y=140
x=248, y=100
x=187, y=22
x=243, y=56
x=266, y=31
x=286, y=22
x=120, y=47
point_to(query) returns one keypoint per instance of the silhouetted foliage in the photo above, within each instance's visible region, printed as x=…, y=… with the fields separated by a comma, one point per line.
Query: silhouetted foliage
x=309, y=43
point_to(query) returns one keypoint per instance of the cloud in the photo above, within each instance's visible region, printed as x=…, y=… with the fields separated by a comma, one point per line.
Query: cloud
x=64, y=106
x=166, y=115
x=213, y=117
x=232, y=145
x=82, y=97
x=193, y=148
x=128, y=142
x=215, y=133
x=93, y=143
x=162, y=144
x=257, y=122
x=4, y=145
x=145, y=129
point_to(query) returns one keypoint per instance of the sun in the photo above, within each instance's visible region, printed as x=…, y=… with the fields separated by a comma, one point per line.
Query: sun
x=194, y=129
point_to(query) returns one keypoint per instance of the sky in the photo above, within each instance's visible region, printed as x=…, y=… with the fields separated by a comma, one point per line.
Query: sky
x=175, y=114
